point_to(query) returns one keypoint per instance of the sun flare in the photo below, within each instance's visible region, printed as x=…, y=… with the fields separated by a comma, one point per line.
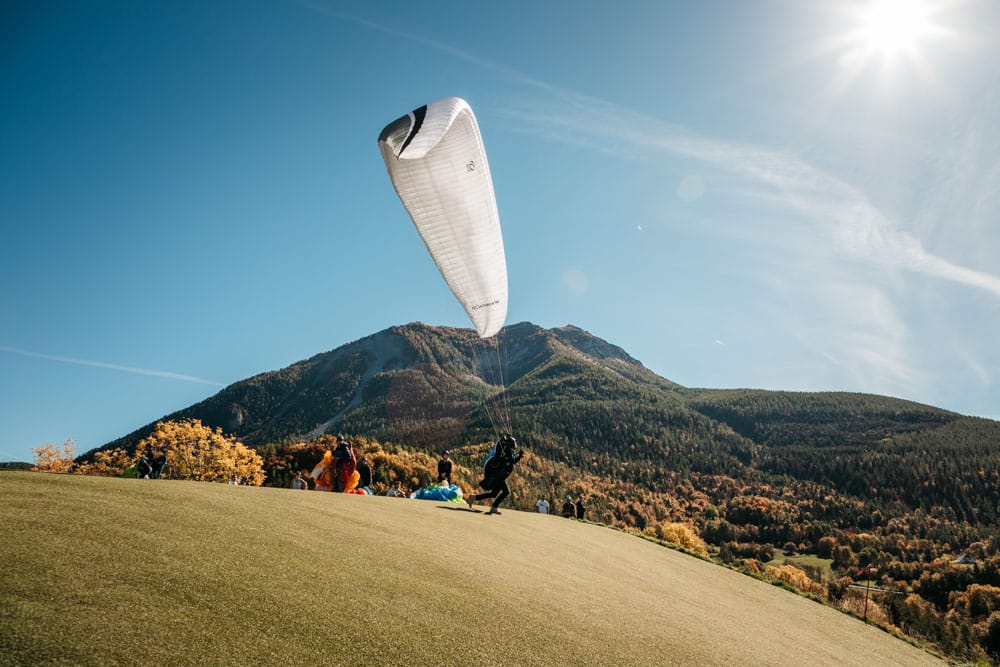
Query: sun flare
x=893, y=38
x=889, y=27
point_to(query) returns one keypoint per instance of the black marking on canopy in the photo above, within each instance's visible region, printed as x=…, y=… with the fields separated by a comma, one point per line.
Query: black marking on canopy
x=418, y=120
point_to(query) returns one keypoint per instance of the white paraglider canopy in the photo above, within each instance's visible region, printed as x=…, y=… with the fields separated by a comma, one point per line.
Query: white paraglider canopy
x=437, y=163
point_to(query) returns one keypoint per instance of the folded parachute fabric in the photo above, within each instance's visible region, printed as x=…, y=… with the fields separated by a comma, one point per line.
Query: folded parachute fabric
x=446, y=492
x=351, y=483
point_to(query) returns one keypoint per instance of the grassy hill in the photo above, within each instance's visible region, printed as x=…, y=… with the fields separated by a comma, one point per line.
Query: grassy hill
x=847, y=479
x=110, y=571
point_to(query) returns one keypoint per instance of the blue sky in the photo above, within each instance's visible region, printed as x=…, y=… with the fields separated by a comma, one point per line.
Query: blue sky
x=769, y=194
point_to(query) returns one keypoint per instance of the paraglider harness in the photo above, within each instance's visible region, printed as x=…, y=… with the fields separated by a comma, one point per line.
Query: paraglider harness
x=500, y=462
x=346, y=464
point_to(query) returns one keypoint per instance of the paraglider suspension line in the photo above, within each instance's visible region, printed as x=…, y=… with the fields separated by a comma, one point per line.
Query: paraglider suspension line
x=497, y=405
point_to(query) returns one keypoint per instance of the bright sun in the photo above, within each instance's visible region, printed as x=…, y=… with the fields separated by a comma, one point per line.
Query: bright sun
x=893, y=44
x=897, y=36
x=890, y=27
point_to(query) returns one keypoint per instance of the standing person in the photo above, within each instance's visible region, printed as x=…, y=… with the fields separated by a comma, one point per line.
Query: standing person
x=499, y=465
x=444, y=468
x=569, y=508
x=159, y=462
x=543, y=506
x=144, y=467
x=299, y=483
x=364, y=474
x=580, y=509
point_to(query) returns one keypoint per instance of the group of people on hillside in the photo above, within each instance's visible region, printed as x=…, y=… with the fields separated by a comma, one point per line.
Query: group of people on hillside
x=571, y=509
x=150, y=464
x=340, y=470
x=335, y=472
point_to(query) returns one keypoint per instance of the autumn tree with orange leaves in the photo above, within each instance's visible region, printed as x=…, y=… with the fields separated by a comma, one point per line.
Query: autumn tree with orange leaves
x=107, y=463
x=198, y=452
x=49, y=458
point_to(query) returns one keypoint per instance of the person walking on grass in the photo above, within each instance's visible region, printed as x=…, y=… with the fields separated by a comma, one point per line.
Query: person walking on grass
x=499, y=465
x=365, y=473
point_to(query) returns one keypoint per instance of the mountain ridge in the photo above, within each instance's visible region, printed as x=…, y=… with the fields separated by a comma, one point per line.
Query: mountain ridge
x=392, y=350
x=581, y=402
x=328, y=386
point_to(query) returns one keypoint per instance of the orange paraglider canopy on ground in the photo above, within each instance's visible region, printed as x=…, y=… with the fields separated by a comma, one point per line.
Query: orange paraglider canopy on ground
x=323, y=472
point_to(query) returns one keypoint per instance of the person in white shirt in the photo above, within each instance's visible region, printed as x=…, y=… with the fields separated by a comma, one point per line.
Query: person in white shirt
x=543, y=506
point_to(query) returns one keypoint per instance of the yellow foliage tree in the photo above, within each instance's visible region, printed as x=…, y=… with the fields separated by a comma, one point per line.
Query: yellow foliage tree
x=107, y=463
x=681, y=534
x=197, y=452
x=49, y=458
x=796, y=578
x=977, y=601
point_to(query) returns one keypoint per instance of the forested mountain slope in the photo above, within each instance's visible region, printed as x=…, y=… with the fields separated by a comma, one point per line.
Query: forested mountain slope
x=583, y=403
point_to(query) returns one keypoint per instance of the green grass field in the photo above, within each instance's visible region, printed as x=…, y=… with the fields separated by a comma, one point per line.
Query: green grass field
x=121, y=571
x=823, y=564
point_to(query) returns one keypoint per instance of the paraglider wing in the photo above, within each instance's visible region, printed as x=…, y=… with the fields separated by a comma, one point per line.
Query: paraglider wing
x=323, y=473
x=446, y=492
x=351, y=483
x=437, y=163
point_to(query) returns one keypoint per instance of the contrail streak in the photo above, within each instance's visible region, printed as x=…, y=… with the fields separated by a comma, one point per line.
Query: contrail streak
x=850, y=220
x=115, y=367
x=861, y=229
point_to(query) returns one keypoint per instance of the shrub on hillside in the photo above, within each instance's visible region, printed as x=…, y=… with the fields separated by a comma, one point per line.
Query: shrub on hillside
x=854, y=601
x=735, y=551
x=795, y=578
x=681, y=534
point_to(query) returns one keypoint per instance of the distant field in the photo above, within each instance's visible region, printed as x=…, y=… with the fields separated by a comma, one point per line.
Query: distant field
x=112, y=571
x=824, y=564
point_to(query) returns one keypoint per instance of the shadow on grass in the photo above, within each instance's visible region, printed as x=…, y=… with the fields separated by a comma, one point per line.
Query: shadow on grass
x=459, y=508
